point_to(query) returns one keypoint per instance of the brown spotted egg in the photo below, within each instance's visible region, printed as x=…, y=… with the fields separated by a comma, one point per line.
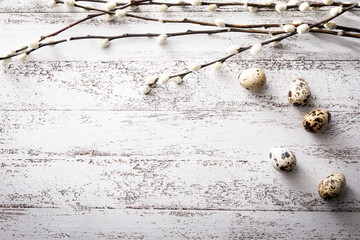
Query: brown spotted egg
x=252, y=79
x=299, y=93
x=282, y=159
x=332, y=186
x=316, y=121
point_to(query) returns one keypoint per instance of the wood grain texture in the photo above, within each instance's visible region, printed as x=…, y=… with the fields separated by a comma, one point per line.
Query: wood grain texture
x=113, y=85
x=153, y=224
x=84, y=156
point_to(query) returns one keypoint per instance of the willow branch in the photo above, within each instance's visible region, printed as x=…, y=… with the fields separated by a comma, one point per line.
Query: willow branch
x=176, y=34
x=88, y=17
x=202, y=23
x=224, y=4
x=280, y=38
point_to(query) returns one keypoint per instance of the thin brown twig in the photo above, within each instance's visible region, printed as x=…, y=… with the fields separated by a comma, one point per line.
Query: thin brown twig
x=88, y=17
x=230, y=3
x=341, y=33
x=202, y=23
x=175, y=34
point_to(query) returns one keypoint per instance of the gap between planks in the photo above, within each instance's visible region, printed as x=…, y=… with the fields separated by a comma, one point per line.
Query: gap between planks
x=4, y=207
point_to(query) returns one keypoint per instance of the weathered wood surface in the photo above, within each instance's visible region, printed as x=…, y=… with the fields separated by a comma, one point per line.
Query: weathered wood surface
x=84, y=156
x=168, y=224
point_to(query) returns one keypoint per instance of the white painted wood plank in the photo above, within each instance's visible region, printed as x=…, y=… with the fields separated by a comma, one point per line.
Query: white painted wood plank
x=114, y=85
x=199, y=134
x=87, y=182
x=142, y=224
x=173, y=160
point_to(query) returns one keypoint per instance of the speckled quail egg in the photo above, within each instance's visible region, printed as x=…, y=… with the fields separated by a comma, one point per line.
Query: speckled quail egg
x=252, y=79
x=332, y=186
x=316, y=121
x=282, y=159
x=299, y=93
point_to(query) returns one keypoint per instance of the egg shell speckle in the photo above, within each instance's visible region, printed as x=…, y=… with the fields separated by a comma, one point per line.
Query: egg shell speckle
x=282, y=159
x=299, y=93
x=316, y=121
x=332, y=186
x=252, y=79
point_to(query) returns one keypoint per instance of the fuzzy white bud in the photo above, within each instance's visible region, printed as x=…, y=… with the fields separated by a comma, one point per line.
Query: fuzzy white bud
x=328, y=2
x=22, y=57
x=220, y=22
x=267, y=2
x=293, y=3
x=297, y=22
x=69, y=3
x=161, y=38
x=195, y=67
x=133, y=7
x=305, y=6
x=233, y=49
x=335, y=11
x=180, y=1
x=163, y=80
x=50, y=40
x=212, y=7
x=104, y=43
x=303, y=28
x=163, y=8
x=314, y=9
x=256, y=49
x=109, y=17
x=280, y=7
x=120, y=13
x=217, y=66
x=34, y=44
x=330, y=25
x=51, y=3
x=253, y=9
x=4, y=62
x=195, y=2
x=275, y=43
x=110, y=5
x=150, y=80
x=289, y=28
x=145, y=89
x=87, y=8
x=177, y=80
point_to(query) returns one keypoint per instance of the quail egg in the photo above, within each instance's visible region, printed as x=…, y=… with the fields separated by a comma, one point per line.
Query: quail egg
x=299, y=93
x=252, y=79
x=282, y=159
x=332, y=186
x=316, y=121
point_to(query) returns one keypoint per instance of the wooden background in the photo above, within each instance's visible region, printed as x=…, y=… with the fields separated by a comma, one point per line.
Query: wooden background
x=85, y=156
